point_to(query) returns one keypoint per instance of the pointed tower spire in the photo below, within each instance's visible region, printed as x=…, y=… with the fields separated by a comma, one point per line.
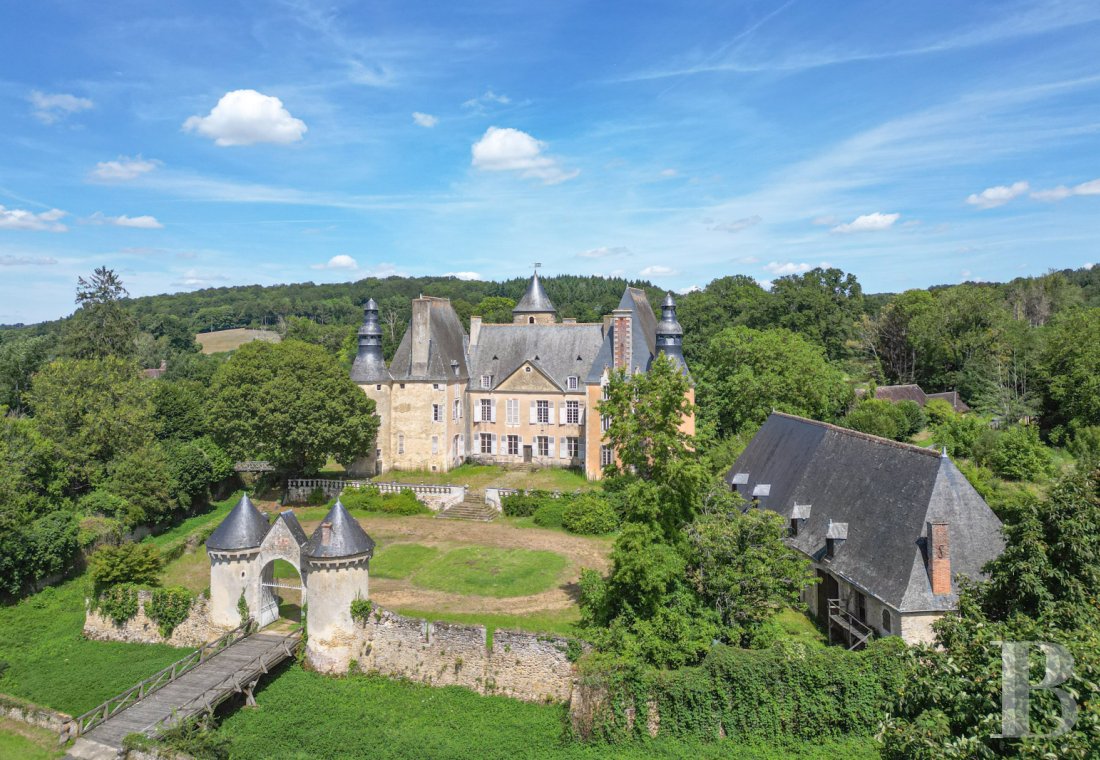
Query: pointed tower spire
x=339, y=535
x=535, y=307
x=369, y=366
x=670, y=335
x=243, y=528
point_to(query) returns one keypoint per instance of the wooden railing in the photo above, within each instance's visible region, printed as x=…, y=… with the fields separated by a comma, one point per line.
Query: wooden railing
x=114, y=705
x=242, y=681
x=856, y=632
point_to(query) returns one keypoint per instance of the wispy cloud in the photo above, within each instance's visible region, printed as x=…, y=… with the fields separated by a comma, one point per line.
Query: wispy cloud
x=464, y=275
x=21, y=219
x=27, y=261
x=1092, y=187
x=657, y=271
x=425, y=119
x=998, y=195
x=137, y=222
x=489, y=98
x=738, y=225
x=507, y=149
x=123, y=169
x=867, y=223
x=50, y=108
x=604, y=252
x=246, y=117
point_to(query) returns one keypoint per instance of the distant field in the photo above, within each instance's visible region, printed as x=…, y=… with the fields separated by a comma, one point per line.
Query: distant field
x=228, y=340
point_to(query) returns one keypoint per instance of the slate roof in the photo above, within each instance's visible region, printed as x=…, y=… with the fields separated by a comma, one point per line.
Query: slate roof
x=886, y=492
x=243, y=528
x=911, y=392
x=369, y=366
x=643, y=335
x=558, y=350
x=292, y=524
x=348, y=537
x=534, y=300
x=447, y=344
x=951, y=397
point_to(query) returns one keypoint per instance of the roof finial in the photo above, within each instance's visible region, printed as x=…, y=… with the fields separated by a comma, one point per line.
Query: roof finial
x=943, y=452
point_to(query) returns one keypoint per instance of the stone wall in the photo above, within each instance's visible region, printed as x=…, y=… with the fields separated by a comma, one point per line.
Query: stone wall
x=193, y=632
x=434, y=497
x=34, y=715
x=519, y=665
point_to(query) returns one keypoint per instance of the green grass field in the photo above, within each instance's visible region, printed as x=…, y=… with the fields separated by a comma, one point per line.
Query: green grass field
x=51, y=664
x=229, y=340
x=399, y=561
x=18, y=740
x=305, y=715
x=491, y=571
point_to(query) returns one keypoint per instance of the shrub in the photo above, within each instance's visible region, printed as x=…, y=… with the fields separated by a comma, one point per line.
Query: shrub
x=878, y=417
x=938, y=410
x=361, y=610
x=403, y=503
x=917, y=419
x=1085, y=443
x=963, y=435
x=119, y=602
x=1020, y=455
x=370, y=499
x=127, y=563
x=107, y=504
x=168, y=608
x=590, y=514
x=522, y=504
x=550, y=512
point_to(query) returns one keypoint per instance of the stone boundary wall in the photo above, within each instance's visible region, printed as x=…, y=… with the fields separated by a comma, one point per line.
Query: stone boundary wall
x=495, y=496
x=33, y=715
x=435, y=498
x=193, y=632
x=520, y=665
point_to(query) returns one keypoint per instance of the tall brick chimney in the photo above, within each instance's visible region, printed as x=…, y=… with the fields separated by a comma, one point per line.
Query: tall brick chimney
x=622, y=339
x=326, y=533
x=939, y=558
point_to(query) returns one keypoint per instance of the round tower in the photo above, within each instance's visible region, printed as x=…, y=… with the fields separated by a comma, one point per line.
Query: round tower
x=670, y=335
x=535, y=308
x=233, y=548
x=338, y=556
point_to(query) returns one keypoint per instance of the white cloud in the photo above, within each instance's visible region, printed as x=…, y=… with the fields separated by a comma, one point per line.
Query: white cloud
x=746, y=260
x=765, y=284
x=384, y=269
x=50, y=108
x=245, y=117
x=425, y=119
x=604, y=251
x=689, y=289
x=510, y=149
x=1092, y=187
x=339, y=261
x=138, y=222
x=464, y=275
x=27, y=261
x=737, y=225
x=487, y=98
x=21, y=219
x=657, y=271
x=788, y=267
x=998, y=195
x=868, y=223
x=124, y=169
x=194, y=278
x=669, y=172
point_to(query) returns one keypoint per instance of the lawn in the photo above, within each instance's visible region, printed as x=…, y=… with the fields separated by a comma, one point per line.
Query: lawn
x=479, y=477
x=18, y=740
x=50, y=663
x=306, y=715
x=491, y=571
x=230, y=340
x=797, y=626
x=400, y=560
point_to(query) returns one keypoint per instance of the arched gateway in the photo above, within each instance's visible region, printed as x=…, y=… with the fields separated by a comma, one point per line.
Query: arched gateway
x=333, y=563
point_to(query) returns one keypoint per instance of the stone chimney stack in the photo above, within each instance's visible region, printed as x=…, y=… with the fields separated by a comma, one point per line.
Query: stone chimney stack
x=939, y=558
x=475, y=330
x=326, y=534
x=622, y=339
x=421, y=327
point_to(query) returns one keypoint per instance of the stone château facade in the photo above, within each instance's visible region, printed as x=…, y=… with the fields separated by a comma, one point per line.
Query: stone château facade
x=525, y=392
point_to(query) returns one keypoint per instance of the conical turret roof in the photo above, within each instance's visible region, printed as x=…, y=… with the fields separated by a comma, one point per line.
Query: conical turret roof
x=346, y=538
x=535, y=300
x=243, y=528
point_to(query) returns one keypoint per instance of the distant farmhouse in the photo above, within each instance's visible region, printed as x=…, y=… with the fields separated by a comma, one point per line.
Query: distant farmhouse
x=911, y=392
x=511, y=394
x=889, y=526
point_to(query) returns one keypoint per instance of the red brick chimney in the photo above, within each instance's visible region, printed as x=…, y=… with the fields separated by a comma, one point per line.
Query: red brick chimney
x=939, y=558
x=326, y=533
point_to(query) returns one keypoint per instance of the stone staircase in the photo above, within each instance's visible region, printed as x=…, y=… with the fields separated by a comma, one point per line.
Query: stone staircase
x=474, y=507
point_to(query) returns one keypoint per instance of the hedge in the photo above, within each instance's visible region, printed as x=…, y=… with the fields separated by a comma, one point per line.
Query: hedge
x=370, y=499
x=787, y=691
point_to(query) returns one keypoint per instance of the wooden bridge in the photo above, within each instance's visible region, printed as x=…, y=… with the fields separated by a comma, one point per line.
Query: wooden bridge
x=193, y=685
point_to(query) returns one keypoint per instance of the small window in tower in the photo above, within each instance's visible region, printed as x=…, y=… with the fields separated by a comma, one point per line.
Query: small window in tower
x=378, y=387
x=572, y=382
x=530, y=320
x=437, y=387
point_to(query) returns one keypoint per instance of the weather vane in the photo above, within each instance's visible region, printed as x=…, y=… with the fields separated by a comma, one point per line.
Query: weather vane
x=537, y=265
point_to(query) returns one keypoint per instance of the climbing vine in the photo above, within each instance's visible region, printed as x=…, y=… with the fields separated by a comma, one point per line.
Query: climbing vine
x=169, y=607
x=119, y=602
x=242, y=609
x=361, y=609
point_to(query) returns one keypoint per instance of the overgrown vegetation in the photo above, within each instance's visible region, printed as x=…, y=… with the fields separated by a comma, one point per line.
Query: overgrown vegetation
x=370, y=499
x=168, y=607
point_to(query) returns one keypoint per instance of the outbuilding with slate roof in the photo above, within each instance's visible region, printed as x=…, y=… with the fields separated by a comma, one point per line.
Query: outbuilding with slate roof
x=889, y=526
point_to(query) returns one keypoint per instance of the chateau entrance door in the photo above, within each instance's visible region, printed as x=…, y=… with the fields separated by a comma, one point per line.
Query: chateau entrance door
x=527, y=454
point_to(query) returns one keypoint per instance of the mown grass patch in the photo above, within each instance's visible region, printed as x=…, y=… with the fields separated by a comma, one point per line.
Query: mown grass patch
x=492, y=571
x=798, y=626
x=306, y=715
x=19, y=740
x=50, y=663
x=560, y=622
x=400, y=560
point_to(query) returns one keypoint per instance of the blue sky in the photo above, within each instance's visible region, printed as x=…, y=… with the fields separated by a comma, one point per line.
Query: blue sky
x=206, y=144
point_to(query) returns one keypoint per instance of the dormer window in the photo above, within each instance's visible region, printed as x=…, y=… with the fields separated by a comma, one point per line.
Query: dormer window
x=835, y=536
x=799, y=514
x=572, y=382
x=486, y=381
